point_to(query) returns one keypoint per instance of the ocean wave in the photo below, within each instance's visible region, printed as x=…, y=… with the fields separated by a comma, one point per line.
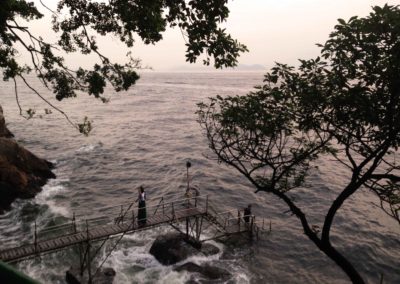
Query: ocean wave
x=89, y=147
x=147, y=139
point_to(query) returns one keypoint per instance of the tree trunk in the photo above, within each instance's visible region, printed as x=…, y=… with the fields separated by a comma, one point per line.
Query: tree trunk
x=325, y=246
x=342, y=262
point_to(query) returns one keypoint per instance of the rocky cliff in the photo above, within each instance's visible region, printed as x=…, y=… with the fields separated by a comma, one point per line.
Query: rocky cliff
x=22, y=174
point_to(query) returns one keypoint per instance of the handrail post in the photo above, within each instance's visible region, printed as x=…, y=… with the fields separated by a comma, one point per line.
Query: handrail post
x=159, y=203
x=88, y=253
x=74, y=222
x=122, y=214
x=239, y=219
x=133, y=218
x=35, y=237
x=187, y=228
x=251, y=226
x=87, y=230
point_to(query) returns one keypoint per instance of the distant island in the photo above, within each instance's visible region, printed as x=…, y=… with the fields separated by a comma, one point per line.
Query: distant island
x=252, y=67
x=201, y=68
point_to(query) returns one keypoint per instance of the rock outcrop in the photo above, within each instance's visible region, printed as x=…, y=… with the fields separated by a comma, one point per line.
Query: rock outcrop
x=209, y=249
x=103, y=276
x=172, y=248
x=4, y=132
x=206, y=271
x=22, y=174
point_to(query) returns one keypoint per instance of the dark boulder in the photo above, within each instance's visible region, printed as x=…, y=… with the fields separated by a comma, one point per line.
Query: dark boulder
x=103, y=276
x=7, y=196
x=171, y=248
x=209, y=249
x=207, y=271
x=4, y=132
x=22, y=174
x=174, y=247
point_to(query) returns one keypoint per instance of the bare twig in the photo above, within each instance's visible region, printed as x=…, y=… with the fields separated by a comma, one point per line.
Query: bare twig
x=54, y=13
x=47, y=102
x=16, y=96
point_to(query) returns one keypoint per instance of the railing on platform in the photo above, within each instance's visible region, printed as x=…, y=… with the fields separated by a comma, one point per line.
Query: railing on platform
x=115, y=214
x=237, y=218
x=167, y=206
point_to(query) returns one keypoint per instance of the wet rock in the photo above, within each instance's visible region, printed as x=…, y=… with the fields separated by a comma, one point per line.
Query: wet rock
x=104, y=276
x=171, y=248
x=209, y=249
x=7, y=196
x=4, y=132
x=207, y=271
x=22, y=174
x=174, y=247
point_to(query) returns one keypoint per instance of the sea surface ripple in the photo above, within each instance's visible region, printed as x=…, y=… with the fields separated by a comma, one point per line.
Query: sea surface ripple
x=144, y=137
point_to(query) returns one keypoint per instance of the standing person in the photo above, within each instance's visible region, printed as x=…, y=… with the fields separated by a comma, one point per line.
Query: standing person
x=142, y=215
x=247, y=213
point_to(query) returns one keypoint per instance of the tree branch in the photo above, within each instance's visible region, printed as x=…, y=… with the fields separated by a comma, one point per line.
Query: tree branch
x=47, y=102
x=16, y=96
x=391, y=177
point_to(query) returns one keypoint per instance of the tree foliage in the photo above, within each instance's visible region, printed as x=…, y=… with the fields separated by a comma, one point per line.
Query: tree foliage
x=78, y=21
x=344, y=103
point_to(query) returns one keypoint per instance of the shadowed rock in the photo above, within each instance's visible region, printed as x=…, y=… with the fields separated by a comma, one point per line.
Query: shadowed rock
x=4, y=132
x=209, y=249
x=207, y=271
x=103, y=276
x=22, y=174
x=172, y=248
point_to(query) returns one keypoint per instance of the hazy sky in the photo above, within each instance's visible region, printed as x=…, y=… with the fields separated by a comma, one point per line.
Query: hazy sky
x=273, y=30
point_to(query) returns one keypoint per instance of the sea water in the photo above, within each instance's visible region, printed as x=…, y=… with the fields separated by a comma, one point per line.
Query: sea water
x=144, y=137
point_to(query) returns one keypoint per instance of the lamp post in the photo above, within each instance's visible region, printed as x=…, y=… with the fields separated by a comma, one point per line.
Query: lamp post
x=188, y=165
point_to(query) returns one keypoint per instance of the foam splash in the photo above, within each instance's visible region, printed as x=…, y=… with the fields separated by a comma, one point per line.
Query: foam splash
x=134, y=264
x=47, y=269
x=86, y=148
x=48, y=196
x=200, y=259
x=241, y=278
x=89, y=147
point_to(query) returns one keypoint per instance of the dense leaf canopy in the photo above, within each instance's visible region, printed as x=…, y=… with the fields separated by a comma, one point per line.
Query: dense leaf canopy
x=344, y=103
x=77, y=21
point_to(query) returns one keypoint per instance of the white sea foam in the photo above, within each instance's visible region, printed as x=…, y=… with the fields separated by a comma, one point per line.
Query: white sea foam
x=148, y=137
x=45, y=269
x=47, y=196
x=241, y=278
x=134, y=264
x=89, y=147
x=86, y=148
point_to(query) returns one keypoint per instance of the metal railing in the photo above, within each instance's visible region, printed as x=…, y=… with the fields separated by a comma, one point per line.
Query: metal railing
x=109, y=215
x=126, y=213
